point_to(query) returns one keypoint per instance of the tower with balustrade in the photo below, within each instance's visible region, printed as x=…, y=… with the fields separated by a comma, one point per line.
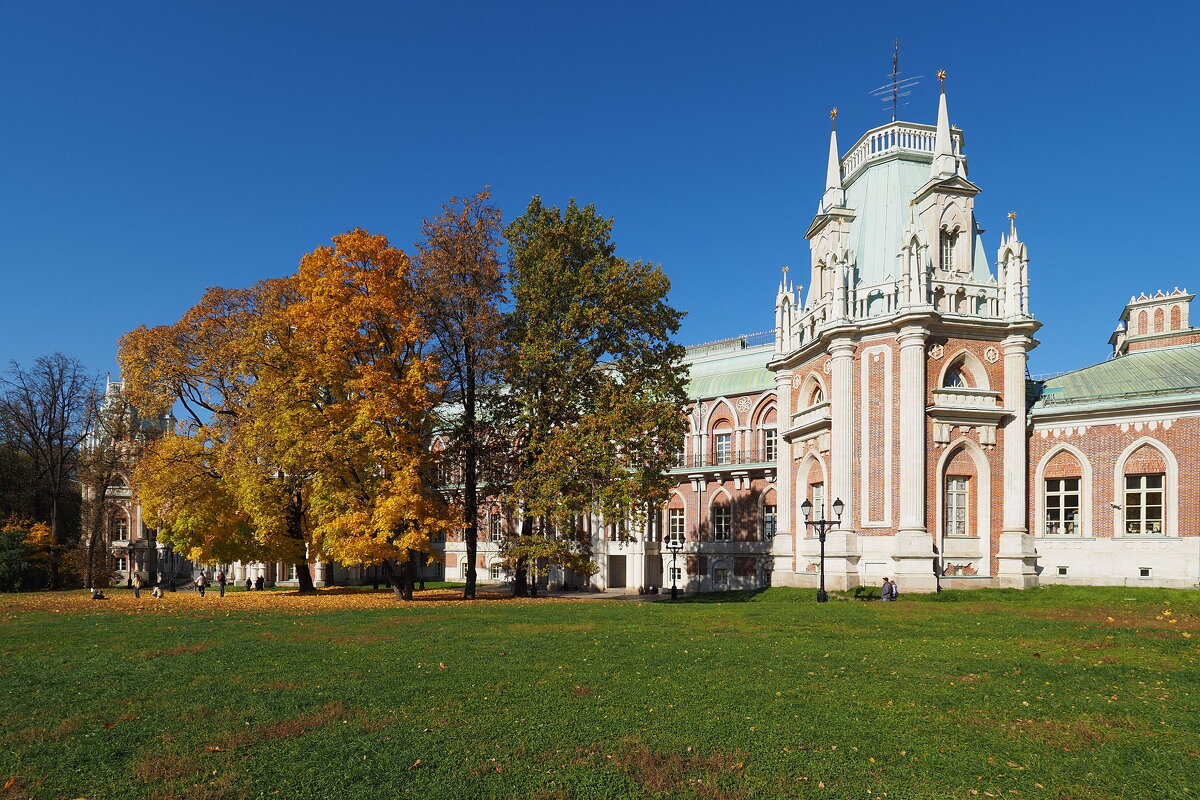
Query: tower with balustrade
x=900, y=374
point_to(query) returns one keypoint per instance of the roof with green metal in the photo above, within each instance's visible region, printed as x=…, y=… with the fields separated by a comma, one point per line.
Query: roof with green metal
x=1128, y=379
x=738, y=370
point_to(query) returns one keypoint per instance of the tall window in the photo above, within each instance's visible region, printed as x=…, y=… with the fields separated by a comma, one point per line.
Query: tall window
x=818, y=500
x=722, y=521
x=956, y=506
x=495, y=527
x=770, y=444
x=495, y=571
x=1143, y=504
x=948, y=244
x=723, y=447
x=675, y=524
x=122, y=530
x=1062, y=506
x=768, y=521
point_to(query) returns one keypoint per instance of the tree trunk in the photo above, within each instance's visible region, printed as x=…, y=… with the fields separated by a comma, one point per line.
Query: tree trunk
x=470, y=475
x=96, y=523
x=53, y=578
x=408, y=574
x=521, y=568
x=389, y=572
x=305, y=578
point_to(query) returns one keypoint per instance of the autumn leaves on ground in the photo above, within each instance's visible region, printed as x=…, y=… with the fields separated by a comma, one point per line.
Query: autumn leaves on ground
x=1054, y=693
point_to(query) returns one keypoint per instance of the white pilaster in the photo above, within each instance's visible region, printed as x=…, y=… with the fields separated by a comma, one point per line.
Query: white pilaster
x=916, y=561
x=782, y=545
x=842, y=429
x=1017, y=556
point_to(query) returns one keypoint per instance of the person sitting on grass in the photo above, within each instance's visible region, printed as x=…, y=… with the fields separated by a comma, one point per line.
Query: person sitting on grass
x=157, y=593
x=97, y=594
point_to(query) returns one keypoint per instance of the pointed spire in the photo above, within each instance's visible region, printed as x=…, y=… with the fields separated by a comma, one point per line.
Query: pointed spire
x=1012, y=226
x=944, y=162
x=834, y=196
x=833, y=173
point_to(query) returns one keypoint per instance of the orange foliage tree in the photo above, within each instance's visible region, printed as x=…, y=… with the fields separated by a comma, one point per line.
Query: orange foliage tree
x=307, y=407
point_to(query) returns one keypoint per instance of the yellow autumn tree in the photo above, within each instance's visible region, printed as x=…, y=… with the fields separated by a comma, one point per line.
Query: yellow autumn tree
x=227, y=484
x=371, y=392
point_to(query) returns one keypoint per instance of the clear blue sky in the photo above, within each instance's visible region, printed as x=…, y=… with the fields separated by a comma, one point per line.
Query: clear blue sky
x=151, y=149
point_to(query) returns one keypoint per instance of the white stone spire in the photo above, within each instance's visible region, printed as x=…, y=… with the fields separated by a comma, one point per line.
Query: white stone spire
x=945, y=164
x=835, y=196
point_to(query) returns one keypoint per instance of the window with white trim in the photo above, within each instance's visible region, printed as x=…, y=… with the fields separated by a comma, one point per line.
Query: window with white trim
x=675, y=524
x=957, y=495
x=722, y=522
x=1062, y=506
x=723, y=448
x=496, y=571
x=495, y=527
x=675, y=574
x=817, y=492
x=949, y=242
x=770, y=444
x=768, y=521
x=720, y=577
x=122, y=531
x=1144, y=504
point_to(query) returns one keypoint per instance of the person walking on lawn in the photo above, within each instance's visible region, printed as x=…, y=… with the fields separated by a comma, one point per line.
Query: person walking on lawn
x=201, y=582
x=885, y=591
x=137, y=584
x=221, y=581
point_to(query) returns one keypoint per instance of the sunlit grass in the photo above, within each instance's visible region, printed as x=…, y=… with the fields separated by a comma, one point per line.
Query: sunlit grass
x=1055, y=693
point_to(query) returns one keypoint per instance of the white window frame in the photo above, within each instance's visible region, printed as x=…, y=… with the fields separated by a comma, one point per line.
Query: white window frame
x=770, y=444
x=1138, y=489
x=676, y=524
x=770, y=520
x=1061, y=518
x=723, y=447
x=721, y=577
x=722, y=525
x=957, y=506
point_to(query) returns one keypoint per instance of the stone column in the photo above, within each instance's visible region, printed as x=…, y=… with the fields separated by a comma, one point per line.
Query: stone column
x=913, y=551
x=782, y=546
x=1017, y=556
x=841, y=544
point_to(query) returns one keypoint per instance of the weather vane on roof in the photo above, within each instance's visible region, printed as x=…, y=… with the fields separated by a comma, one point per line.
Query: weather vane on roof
x=897, y=87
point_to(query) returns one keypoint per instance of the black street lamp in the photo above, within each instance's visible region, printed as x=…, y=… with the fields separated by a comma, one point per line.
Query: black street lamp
x=822, y=526
x=674, y=545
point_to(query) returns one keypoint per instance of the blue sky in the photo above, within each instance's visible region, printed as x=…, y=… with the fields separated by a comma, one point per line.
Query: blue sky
x=150, y=150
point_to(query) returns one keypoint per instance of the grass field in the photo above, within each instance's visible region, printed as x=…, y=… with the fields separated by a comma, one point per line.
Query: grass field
x=1050, y=693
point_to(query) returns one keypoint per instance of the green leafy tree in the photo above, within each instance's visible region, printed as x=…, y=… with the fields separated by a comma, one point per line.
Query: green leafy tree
x=595, y=382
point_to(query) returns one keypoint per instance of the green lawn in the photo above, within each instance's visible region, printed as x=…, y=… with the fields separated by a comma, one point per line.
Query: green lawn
x=1050, y=693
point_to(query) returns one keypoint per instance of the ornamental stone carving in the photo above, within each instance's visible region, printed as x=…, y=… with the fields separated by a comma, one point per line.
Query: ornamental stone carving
x=936, y=351
x=827, y=367
x=743, y=404
x=991, y=355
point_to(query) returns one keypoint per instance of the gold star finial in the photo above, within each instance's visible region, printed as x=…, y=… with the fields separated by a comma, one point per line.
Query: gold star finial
x=833, y=113
x=1012, y=215
x=785, y=270
x=941, y=75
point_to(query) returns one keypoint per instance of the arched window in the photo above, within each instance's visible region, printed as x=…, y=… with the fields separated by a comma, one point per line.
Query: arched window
x=1159, y=320
x=955, y=379
x=949, y=242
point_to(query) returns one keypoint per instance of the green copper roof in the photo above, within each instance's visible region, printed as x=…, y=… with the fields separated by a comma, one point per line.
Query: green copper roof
x=737, y=370
x=1127, y=379
x=879, y=197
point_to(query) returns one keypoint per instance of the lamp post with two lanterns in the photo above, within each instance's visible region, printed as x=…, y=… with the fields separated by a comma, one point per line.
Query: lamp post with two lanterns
x=674, y=545
x=822, y=527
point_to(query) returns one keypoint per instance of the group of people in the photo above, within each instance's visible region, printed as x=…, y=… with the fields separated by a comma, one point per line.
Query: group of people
x=200, y=582
x=888, y=591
